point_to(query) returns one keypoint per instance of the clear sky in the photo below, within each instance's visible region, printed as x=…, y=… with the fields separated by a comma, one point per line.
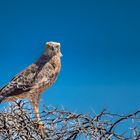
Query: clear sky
x=100, y=42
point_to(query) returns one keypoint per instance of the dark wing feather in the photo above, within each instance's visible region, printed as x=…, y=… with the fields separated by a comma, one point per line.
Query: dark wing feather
x=21, y=83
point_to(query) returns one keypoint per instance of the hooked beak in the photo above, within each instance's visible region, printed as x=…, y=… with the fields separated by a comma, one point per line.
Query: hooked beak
x=61, y=54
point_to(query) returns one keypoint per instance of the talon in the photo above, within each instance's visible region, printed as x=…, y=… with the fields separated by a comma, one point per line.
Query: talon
x=41, y=129
x=40, y=125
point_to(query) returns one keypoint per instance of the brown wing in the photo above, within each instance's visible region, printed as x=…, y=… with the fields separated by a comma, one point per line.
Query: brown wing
x=21, y=83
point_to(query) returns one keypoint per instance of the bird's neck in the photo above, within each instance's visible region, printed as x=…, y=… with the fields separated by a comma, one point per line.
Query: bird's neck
x=56, y=60
x=49, y=59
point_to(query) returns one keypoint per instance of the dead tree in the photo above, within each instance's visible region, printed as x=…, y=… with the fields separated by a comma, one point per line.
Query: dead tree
x=18, y=122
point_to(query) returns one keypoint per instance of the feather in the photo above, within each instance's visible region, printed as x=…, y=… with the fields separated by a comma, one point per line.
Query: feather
x=20, y=83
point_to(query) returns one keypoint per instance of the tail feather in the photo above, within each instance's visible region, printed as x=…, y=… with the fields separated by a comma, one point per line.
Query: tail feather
x=1, y=98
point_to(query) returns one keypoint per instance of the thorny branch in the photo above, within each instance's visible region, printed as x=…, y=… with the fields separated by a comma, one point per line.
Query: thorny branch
x=18, y=122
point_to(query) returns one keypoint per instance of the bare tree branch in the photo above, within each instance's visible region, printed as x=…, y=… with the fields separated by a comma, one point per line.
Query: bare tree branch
x=18, y=122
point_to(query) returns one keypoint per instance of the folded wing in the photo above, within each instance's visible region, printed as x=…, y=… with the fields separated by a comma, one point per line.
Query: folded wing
x=21, y=83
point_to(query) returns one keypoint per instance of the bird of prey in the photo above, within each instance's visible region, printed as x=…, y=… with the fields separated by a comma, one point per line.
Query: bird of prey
x=33, y=80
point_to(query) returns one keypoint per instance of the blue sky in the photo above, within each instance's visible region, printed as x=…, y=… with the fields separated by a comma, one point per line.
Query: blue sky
x=100, y=46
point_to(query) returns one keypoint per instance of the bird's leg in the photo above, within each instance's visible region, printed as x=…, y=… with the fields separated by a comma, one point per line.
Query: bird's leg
x=39, y=122
x=37, y=115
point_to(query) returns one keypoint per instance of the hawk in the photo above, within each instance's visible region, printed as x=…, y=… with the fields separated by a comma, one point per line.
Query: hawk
x=33, y=80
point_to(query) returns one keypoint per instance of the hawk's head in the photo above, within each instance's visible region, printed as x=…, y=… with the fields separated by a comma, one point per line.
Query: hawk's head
x=53, y=48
